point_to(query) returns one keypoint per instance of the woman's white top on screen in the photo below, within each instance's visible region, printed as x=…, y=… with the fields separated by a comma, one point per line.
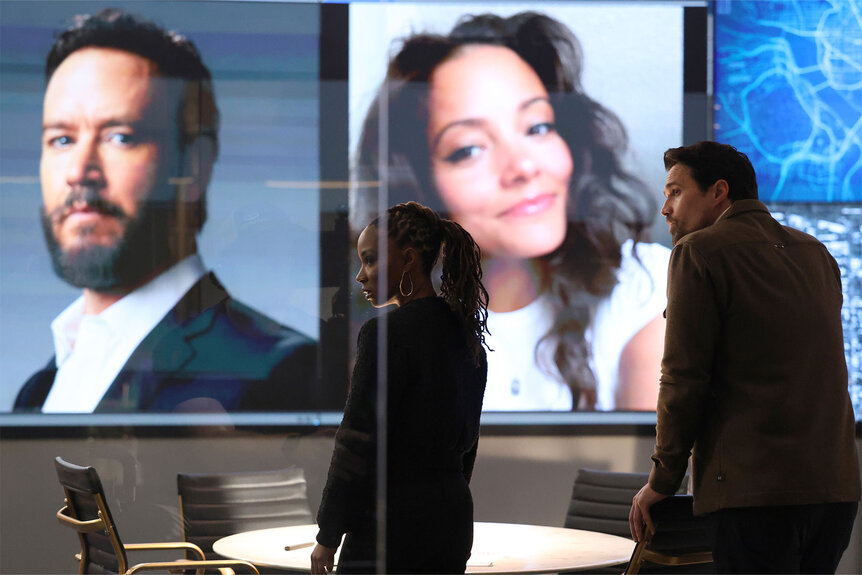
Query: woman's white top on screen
x=517, y=383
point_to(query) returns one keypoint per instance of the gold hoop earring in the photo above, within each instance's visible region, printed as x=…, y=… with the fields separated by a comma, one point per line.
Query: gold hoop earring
x=401, y=284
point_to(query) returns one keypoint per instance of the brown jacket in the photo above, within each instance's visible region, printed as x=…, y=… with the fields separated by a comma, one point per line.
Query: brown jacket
x=753, y=375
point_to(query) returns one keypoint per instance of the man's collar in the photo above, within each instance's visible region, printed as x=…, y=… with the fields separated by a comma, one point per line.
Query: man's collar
x=156, y=298
x=742, y=206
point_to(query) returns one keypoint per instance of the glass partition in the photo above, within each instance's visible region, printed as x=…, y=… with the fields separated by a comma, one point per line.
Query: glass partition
x=244, y=170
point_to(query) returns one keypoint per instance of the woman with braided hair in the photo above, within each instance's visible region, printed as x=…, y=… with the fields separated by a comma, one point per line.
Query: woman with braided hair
x=435, y=380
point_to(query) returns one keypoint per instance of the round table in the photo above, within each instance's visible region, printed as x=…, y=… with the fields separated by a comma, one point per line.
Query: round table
x=497, y=548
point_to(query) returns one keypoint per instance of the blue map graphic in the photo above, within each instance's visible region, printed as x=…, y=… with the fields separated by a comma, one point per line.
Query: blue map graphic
x=788, y=93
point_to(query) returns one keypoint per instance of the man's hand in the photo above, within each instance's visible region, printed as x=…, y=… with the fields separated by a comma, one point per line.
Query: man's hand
x=639, y=514
x=322, y=559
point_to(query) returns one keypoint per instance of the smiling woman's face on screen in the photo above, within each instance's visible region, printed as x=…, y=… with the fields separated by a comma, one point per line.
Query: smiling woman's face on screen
x=499, y=165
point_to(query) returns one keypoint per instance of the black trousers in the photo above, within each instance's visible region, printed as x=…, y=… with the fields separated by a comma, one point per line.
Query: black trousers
x=782, y=539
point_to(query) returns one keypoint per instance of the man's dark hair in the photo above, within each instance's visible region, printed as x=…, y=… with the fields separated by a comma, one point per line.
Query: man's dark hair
x=709, y=162
x=174, y=56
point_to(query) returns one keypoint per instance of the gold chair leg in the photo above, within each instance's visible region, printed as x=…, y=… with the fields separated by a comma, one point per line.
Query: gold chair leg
x=636, y=561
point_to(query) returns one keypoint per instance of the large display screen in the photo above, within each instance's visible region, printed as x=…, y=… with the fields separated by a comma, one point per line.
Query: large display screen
x=262, y=233
x=294, y=100
x=545, y=168
x=787, y=77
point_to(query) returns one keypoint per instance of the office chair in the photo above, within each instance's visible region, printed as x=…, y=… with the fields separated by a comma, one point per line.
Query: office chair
x=215, y=506
x=601, y=501
x=679, y=539
x=102, y=551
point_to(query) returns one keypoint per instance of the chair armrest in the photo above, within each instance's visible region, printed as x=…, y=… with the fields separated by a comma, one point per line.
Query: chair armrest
x=166, y=545
x=170, y=565
x=91, y=526
x=675, y=560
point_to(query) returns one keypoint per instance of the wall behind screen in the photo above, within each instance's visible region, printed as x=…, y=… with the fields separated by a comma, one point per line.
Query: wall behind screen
x=262, y=234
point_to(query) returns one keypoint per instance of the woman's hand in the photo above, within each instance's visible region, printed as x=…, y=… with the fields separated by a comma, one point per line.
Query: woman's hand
x=322, y=559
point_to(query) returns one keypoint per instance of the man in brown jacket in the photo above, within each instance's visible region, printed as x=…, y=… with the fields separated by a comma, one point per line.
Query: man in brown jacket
x=753, y=379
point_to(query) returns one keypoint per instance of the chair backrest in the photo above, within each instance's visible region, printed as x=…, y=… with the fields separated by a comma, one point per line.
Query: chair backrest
x=601, y=500
x=680, y=539
x=87, y=512
x=214, y=506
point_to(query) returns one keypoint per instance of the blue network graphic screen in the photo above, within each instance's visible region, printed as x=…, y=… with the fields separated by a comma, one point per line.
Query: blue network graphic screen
x=788, y=92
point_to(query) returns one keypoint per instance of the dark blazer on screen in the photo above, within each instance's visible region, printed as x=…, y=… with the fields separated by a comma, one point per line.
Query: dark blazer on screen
x=209, y=353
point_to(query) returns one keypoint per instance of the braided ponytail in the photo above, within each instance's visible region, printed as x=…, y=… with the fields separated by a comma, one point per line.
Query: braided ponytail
x=462, y=284
x=416, y=226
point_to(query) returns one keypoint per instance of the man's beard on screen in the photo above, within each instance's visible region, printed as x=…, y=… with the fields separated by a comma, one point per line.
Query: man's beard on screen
x=144, y=249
